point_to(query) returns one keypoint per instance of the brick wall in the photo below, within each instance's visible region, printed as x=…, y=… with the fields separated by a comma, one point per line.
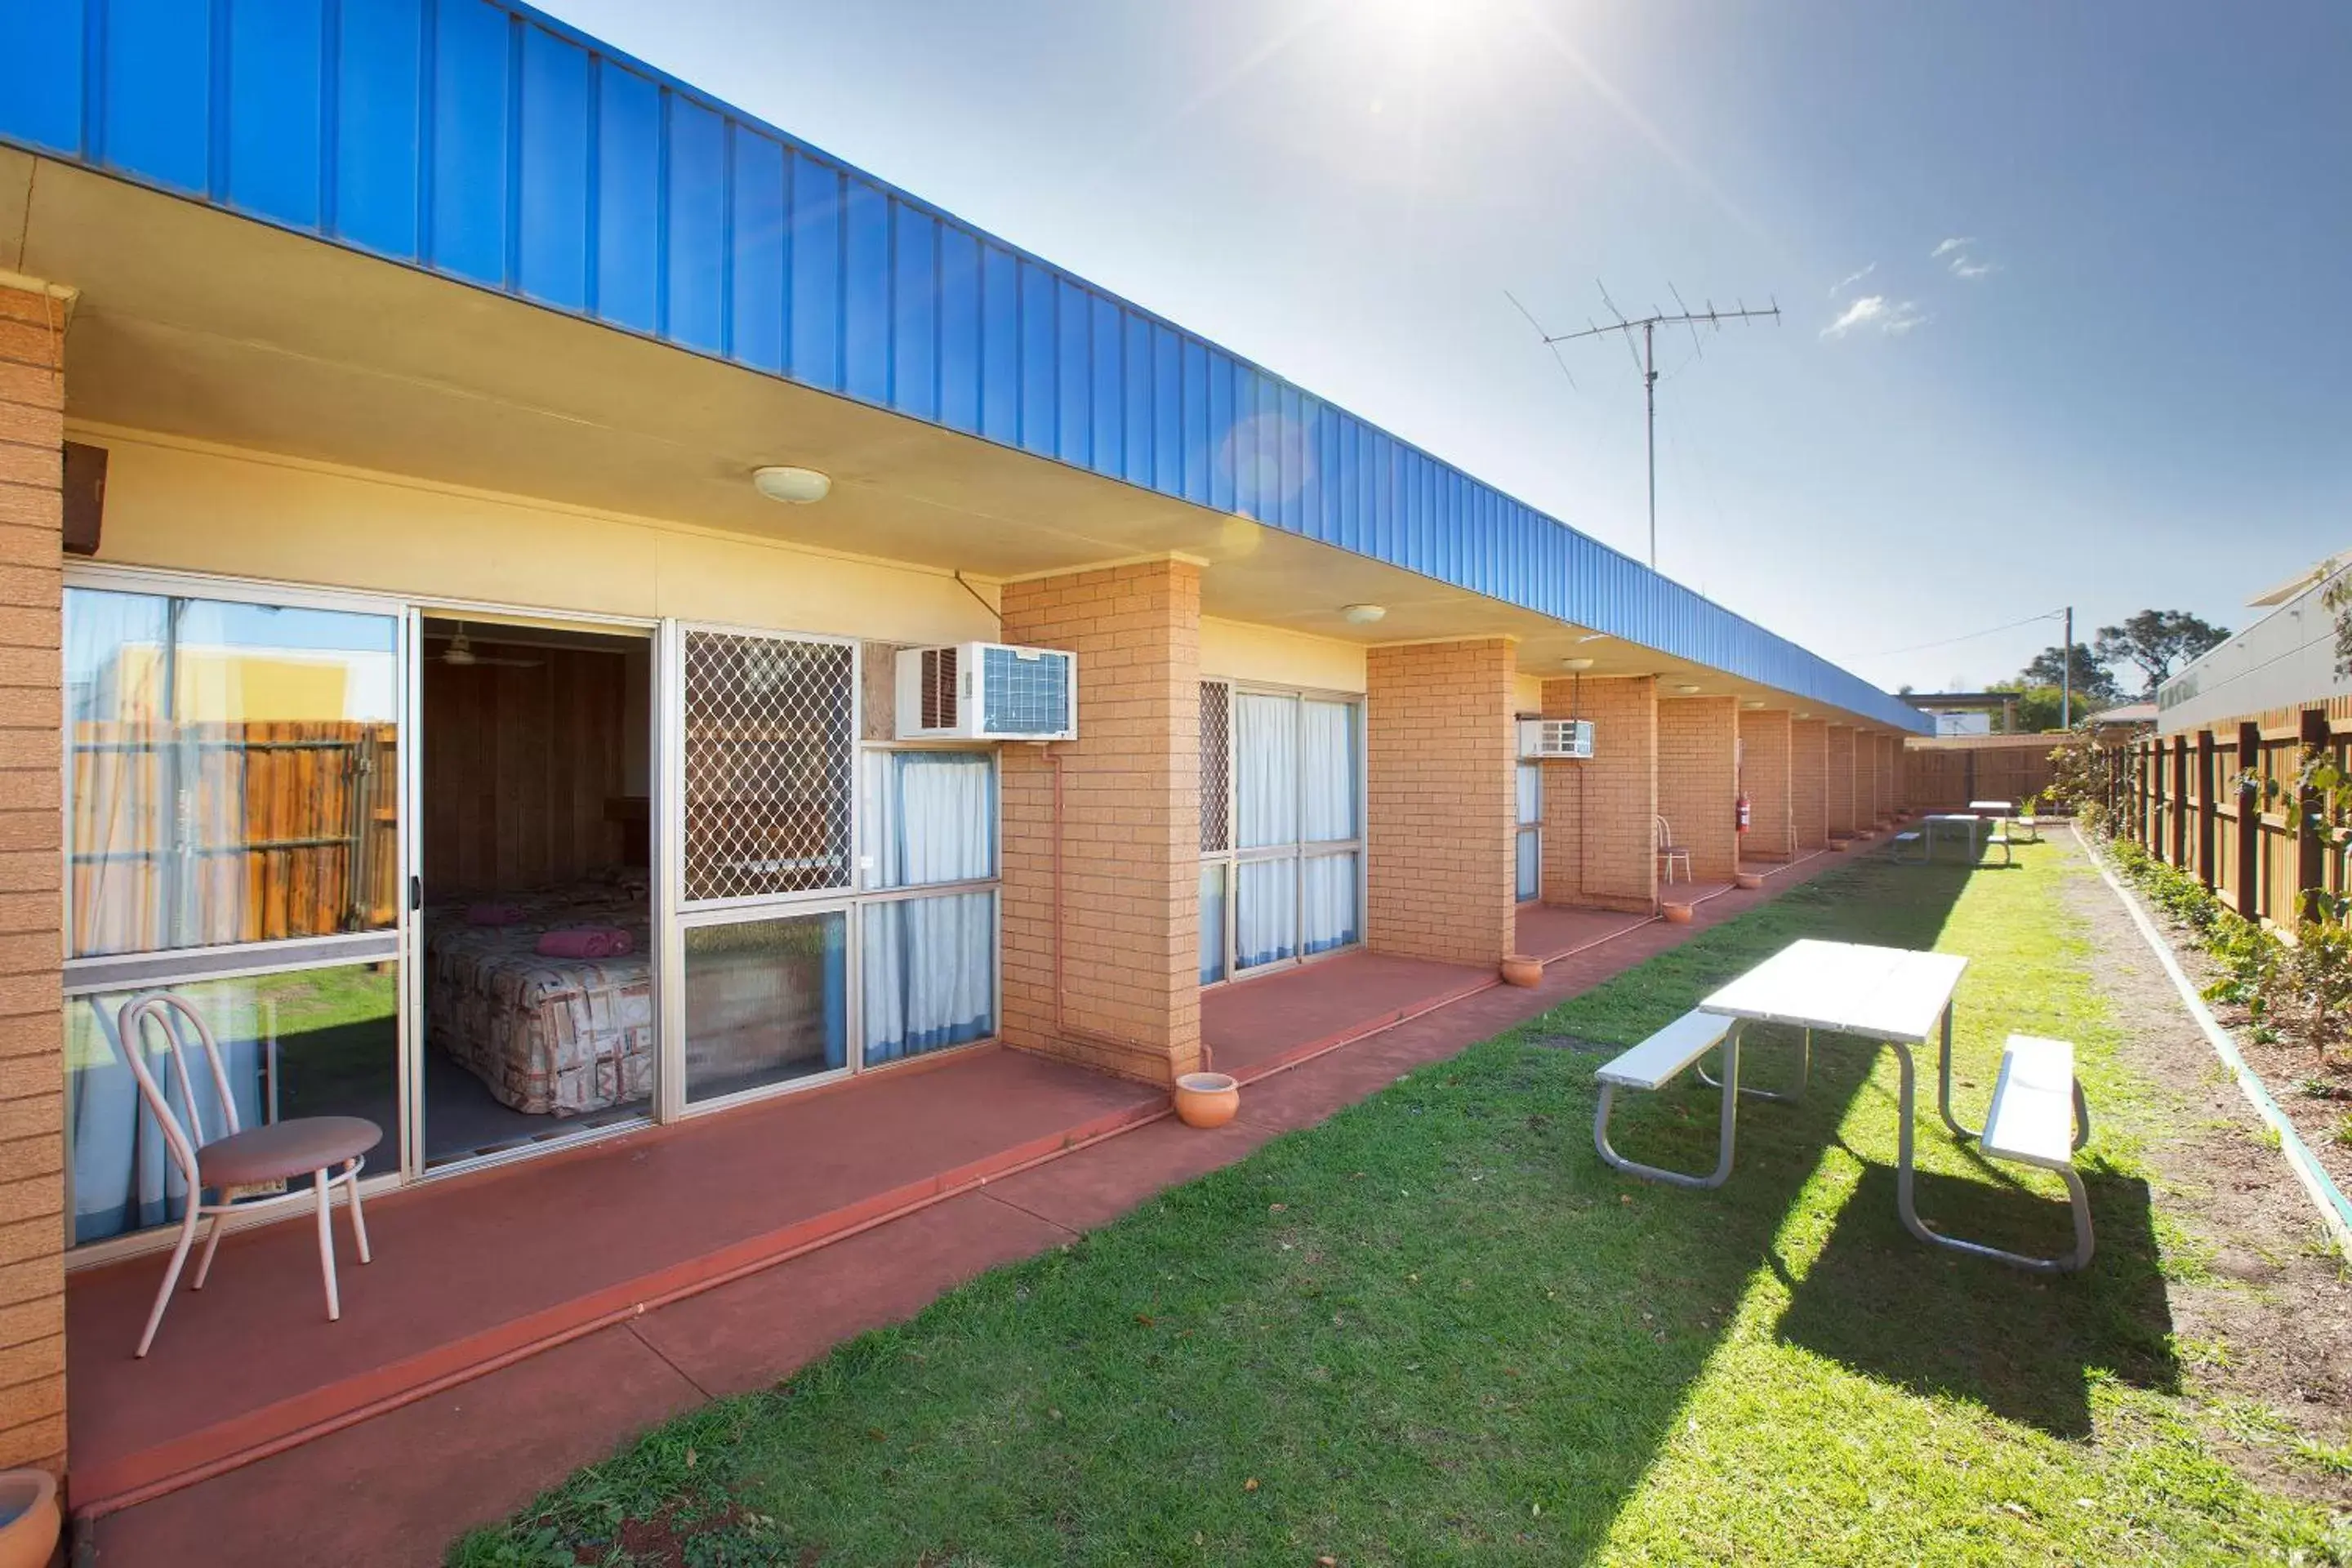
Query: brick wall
x=1808, y=799
x=1698, y=783
x=1600, y=848
x=1764, y=773
x=32, y=1049
x=1440, y=799
x=1130, y=923
x=1841, y=781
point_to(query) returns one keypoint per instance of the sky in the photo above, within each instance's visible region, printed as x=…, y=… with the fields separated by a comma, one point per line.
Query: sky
x=2064, y=288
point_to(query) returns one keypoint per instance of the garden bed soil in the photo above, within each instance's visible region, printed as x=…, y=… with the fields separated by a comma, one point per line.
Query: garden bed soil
x=2261, y=1302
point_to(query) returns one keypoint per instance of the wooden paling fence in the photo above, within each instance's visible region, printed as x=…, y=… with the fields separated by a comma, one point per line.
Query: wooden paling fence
x=2223, y=804
x=1951, y=772
x=197, y=835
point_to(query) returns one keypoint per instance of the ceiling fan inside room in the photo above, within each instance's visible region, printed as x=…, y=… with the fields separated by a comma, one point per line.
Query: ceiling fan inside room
x=460, y=654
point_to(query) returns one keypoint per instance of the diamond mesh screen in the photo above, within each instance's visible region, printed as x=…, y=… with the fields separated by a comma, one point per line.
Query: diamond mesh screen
x=1217, y=793
x=769, y=757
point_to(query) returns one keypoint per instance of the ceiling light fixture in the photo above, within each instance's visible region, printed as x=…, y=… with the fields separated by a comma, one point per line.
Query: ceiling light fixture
x=1594, y=636
x=794, y=486
x=1362, y=614
x=1753, y=704
x=1687, y=690
x=1575, y=664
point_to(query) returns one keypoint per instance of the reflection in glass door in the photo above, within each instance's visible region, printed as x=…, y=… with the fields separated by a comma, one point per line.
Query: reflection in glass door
x=233, y=836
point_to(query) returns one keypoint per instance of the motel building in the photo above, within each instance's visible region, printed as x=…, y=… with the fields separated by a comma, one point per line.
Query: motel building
x=461, y=487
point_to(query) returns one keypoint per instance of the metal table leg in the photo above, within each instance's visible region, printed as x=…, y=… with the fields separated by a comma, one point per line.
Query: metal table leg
x=1944, y=1083
x=1726, y=1127
x=1804, y=1076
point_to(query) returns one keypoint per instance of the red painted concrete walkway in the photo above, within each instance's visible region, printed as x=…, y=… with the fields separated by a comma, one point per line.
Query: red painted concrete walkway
x=396, y=1487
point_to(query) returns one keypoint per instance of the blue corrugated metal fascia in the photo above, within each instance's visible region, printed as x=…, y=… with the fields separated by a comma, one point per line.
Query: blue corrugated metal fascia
x=489, y=142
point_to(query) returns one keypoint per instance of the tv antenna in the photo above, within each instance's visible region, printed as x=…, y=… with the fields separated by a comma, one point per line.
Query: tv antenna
x=1646, y=363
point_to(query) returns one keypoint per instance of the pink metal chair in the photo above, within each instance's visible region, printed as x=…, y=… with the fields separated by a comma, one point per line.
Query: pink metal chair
x=1670, y=853
x=276, y=1152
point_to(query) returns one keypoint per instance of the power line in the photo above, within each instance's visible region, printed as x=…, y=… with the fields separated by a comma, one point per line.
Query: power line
x=1645, y=362
x=1972, y=636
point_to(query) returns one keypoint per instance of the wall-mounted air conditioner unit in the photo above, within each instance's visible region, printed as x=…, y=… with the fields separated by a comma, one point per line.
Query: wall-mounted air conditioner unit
x=1556, y=738
x=987, y=691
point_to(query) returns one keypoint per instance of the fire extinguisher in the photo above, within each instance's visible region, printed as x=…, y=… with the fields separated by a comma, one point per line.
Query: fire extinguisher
x=1740, y=813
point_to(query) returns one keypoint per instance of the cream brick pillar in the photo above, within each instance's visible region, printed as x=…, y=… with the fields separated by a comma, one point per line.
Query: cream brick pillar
x=1440, y=801
x=1111, y=978
x=32, y=1048
x=1599, y=847
x=1882, y=755
x=1809, y=800
x=1841, y=781
x=1765, y=774
x=1698, y=781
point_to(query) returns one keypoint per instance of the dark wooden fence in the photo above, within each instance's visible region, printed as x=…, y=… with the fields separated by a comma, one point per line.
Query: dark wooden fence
x=2223, y=804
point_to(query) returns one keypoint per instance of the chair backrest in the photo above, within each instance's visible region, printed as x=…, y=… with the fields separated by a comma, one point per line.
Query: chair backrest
x=1665, y=835
x=167, y=1008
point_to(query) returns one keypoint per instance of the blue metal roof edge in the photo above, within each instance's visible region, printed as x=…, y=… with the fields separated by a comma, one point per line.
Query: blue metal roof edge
x=486, y=142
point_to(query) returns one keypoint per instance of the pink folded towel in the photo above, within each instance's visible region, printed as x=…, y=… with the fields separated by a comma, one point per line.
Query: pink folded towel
x=493, y=914
x=585, y=941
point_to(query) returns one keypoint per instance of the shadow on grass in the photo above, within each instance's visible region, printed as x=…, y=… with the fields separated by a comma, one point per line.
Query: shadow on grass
x=1883, y=1303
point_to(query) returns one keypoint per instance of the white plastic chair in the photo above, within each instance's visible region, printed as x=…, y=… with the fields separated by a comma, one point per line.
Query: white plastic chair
x=1669, y=852
x=277, y=1150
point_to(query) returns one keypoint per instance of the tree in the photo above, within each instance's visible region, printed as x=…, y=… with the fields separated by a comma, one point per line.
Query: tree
x=2158, y=642
x=2095, y=686
x=2036, y=708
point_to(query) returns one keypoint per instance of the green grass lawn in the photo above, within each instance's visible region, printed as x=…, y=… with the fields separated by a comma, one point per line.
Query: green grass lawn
x=1437, y=1328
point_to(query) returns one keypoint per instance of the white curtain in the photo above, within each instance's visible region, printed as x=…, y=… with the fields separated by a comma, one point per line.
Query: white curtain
x=1212, y=923
x=1267, y=917
x=1530, y=794
x=1530, y=883
x=931, y=816
x=1328, y=771
x=928, y=966
x=930, y=973
x=1326, y=896
x=1266, y=768
x=123, y=1178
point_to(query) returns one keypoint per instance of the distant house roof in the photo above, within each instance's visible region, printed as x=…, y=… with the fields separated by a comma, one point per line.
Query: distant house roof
x=2125, y=713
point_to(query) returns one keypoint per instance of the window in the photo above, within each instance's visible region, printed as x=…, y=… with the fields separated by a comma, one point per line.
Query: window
x=770, y=732
x=1530, y=831
x=767, y=1000
x=928, y=962
x=232, y=773
x=316, y=1042
x=1282, y=769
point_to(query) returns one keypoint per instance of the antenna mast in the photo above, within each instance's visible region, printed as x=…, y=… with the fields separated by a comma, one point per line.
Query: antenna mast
x=1646, y=362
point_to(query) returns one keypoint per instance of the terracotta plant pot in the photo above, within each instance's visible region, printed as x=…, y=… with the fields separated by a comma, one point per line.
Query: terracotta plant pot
x=1837, y=846
x=1206, y=1099
x=1749, y=880
x=1676, y=914
x=28, y=1518
x=1520, y=970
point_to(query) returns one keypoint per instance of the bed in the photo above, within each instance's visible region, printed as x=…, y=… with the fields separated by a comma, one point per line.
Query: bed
x=548, y=1036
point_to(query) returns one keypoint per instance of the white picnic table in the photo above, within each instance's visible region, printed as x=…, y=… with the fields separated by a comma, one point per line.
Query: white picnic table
x=1897, y=997
x=1967, y=822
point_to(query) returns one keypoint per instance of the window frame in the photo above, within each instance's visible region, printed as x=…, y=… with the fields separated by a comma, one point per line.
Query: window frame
x=1523, y=830
x=1298, y=851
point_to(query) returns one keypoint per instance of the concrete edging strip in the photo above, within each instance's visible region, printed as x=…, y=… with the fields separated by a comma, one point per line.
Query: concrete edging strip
x=2333, y=1212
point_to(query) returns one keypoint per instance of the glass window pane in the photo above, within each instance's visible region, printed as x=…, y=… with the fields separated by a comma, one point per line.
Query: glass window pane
x=1328, y=772
x=1216, y=731
x=1265, y=763
x=1326, y=896
x=232, y=772
x=931, y=816
x=1530, y=794
x=1267, y=912
x=766, y=1001
x=316, y=1042
x=929, y=973
x=1212, y=923
x=1530, y=879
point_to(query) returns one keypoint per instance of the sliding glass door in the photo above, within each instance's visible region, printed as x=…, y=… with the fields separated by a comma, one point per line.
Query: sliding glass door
x=1281, y=866
x=234, y=834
